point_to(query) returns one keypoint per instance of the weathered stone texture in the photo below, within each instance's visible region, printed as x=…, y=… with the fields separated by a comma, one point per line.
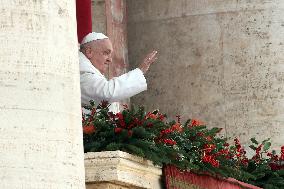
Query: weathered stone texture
x=117, y=169
x=41, y=137
x=99, y=16
x=219, y=61
x=107, y=185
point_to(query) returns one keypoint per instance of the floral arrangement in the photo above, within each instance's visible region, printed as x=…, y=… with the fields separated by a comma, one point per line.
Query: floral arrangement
x=189, y=146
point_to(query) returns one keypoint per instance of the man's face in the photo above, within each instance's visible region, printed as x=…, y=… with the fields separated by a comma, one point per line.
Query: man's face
x=101, y=54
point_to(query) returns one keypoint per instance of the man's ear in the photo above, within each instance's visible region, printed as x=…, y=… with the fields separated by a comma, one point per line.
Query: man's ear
x=89, y=52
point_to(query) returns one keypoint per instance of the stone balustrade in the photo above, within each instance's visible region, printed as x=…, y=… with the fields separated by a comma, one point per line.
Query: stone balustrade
x=120, y=170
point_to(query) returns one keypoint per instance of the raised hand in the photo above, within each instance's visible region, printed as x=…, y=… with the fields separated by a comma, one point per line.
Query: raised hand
x=148, y=60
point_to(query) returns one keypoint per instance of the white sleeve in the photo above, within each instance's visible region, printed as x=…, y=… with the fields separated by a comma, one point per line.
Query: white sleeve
x=97, y=87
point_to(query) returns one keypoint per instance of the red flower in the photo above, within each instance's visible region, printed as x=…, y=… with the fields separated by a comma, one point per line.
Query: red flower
x=150, y=125
x=196, y=122
x=90, y=119
x=209, y=147
x=166, y=131
x=137, y=121
x=238, y=145
x=207, y=158
x=151, y=116
x=245, y=161
x=119, y=115
x=200, y=134
x=117, y=130
x=224, y=152
x=226, y=144
x=275, y=166
x=125, y=106
x=93, y=111
x=176, y=127
x=215, y=163
x=210, y=159
x=282, y=153
x=237, y=141
x=104, y=104
x=129, y=133
x=269, y=154
x=161, y=117
x=256, y=158
x=89, y=129
x=258, y=149
x=208, y=138
x=169, y=142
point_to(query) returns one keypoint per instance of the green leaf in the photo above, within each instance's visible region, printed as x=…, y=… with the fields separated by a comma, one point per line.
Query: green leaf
x=252, y=147
x=266, y=146
x=270, y=186
x=133, y=150
x=281, y=172
x=113, y=147
x=253, y=140
x=266, y=140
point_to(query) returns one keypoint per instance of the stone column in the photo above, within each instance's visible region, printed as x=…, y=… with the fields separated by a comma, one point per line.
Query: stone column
x=40, y=115
x=219, y=61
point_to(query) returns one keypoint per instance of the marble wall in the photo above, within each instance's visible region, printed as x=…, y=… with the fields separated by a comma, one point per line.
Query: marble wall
x=220, y=61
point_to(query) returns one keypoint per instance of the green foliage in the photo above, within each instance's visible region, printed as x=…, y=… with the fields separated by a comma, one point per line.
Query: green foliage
x=266, y=167
x=189, y=146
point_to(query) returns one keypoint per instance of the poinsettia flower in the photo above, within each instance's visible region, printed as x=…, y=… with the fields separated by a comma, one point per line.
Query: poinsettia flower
x=258, y=149
x=151, y=116
x=104, y=104
x=117, y=130
x=176, y=127
x=125, y=106
x=209, y=147
x=208, y=138
x=200, y=134
x=245, y=161
x=166, y=131
x=89, y=129
x=93, y=112
x=150, y=125
x=161, y=117
x=169, y=142
x=195, y=122
x=121, y=121
x=208, y=158
x=129, y=133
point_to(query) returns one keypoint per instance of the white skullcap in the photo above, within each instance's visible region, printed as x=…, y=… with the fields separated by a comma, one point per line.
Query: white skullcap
x=92, y=37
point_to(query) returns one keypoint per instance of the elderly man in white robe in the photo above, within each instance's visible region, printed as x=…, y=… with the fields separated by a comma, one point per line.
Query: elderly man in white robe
x=94, y=57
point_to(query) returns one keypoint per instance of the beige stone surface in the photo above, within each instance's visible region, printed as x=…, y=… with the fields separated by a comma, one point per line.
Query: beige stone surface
x=99, y=21
x=40, y=114
x=121, y=168
x=108, y=185
x=220, y=61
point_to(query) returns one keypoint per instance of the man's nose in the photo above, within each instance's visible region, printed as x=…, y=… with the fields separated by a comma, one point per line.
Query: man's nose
x=109, y=59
